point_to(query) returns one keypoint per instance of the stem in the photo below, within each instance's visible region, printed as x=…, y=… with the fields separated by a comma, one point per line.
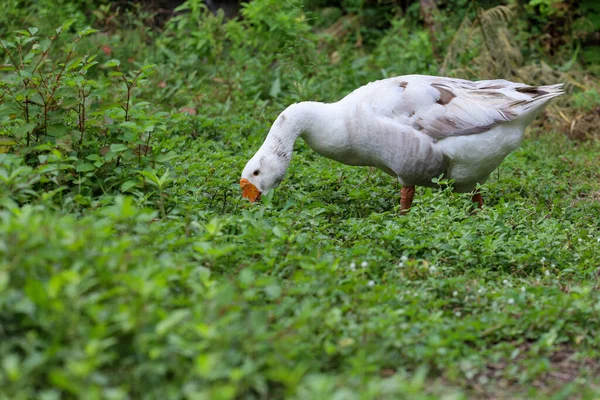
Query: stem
x=60, y=73
x=127, y=105
x=10, y=56
x=43, y=57
x=130, y=86
x=14, y=98
x=161, y=203
x=147, y=144
x=82, y=116
x=145, y=150
x=26, y=108
x=37, y=134
x=20, y=52
x=224, y=201
x=27, y=118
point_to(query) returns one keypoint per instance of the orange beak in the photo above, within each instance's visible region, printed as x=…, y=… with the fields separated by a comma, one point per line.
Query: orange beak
x=249, y=191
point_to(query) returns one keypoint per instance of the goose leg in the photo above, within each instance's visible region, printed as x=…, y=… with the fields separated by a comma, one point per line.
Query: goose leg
x=407, y=193
x=477, y=199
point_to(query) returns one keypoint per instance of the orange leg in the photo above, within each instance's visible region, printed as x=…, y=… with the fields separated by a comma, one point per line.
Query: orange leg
x=477, y=199
x=407, y=193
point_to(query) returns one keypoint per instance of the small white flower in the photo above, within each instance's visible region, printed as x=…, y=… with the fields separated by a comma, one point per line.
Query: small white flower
x=455, y=293
x=433, y=268
x=364, y=264
x=505, y=282
x=580, y=240
x=543, y=260
x=401, y=264
x=405, y=259
x=598, y=240
x=523, y=289
x=352, y=266
x=458, y=314
x=511, y=301
x=547, y=273
x=371, y=283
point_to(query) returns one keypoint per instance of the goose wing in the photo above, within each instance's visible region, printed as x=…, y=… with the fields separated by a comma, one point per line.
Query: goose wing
x=446, y=107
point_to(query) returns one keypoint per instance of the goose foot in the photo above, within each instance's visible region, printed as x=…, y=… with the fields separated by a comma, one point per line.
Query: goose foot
x=407, y=193
x=477, y=199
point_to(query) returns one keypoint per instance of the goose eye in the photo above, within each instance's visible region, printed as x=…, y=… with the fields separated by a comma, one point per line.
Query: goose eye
x=256, y=173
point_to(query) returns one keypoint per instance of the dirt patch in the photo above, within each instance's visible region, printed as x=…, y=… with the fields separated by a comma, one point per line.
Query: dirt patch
x=584, y=126
x=565, y=367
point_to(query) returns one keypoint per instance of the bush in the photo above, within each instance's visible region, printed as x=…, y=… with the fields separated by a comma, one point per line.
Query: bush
x=79, y=133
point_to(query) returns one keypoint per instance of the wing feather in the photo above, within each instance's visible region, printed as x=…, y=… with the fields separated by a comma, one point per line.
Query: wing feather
x=446, y=107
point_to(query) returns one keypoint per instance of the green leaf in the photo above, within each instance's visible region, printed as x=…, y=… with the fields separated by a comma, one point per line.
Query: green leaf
x=118, y=147
x=275, y=88
x=65, y=25
x=150, y=178
x=36, y=292
x=128, y=124
x=10, y=364
x=60, y=379
x=112, y=63
x=166, y=157
x=4, y=281
x=85, y=167
x=207, y=248
x=278, y=231
x=69, y=102
x=87, y=31
x=45, y=44
x=94, y=157
x=169, y=322
x=128, y=185
x=273, y=291
x=73, y=64
x=24, y=129
x=57, y=130
x=206, y=364
x=8, y=45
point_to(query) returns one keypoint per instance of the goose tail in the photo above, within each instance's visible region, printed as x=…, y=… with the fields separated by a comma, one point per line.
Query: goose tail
x=539, y=98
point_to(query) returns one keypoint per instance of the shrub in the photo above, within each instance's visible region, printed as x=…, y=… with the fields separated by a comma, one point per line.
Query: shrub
x=79, y=133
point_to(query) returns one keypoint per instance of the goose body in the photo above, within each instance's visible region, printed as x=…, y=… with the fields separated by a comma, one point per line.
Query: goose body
x=413, y=127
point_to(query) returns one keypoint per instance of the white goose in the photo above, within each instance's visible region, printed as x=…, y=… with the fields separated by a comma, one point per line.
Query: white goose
x=412, y=127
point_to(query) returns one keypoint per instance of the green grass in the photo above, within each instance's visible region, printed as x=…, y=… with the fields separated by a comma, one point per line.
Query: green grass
x=131, y=267
x=322, y=290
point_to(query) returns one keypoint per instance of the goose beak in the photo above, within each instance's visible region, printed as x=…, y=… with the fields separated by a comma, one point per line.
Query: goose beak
x=249, y=191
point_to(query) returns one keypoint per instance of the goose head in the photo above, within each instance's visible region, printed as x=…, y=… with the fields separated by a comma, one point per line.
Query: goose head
x=268, y=166
x=263, y=172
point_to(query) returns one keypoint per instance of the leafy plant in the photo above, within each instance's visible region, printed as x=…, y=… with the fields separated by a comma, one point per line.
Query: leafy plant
x=61, y=121
x=130, y=266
